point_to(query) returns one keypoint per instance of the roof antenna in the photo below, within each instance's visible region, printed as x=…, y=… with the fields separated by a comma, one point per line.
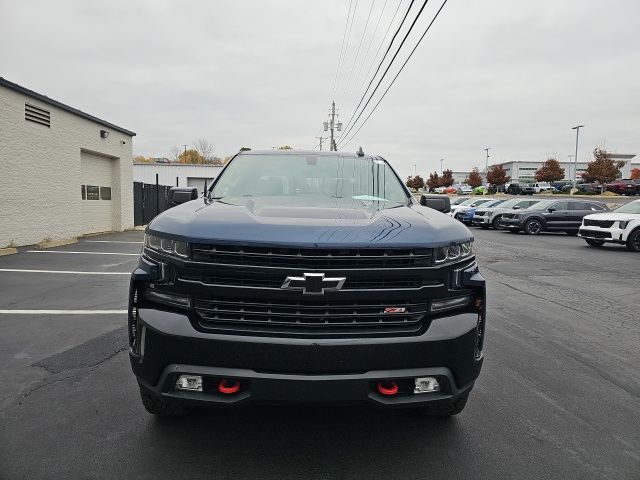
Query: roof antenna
x=360, y=153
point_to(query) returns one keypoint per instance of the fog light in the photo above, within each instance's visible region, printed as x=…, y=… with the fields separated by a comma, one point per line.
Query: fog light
x=426, y=385
x=189, y=382
x=449, y=303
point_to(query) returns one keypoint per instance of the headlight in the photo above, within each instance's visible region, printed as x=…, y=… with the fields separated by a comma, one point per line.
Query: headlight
x=165, y=245
x=623, y=224
x=453, y=253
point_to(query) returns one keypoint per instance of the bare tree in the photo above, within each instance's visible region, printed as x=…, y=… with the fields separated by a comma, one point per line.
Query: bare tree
x=174, y=153
x=204, y=148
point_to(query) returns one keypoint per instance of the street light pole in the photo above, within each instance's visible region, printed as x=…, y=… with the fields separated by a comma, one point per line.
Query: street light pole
x=575, y=159
x=570, y=162
x=441, y=171
x=486, y=164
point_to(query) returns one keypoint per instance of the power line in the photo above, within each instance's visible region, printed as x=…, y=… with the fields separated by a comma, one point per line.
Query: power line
x=346, y=48
x=388, y=66
x=397, y=74
x=344, y=35
x=355, y=60
x=379, y=65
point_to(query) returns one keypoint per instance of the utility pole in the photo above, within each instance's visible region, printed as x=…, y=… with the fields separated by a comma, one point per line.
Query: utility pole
x=570, y=162
x=575, y=159
x=441, y=171
x=185, y=153
x=415, y=169
x=332, y=126
x=486, y=164
x=321, y=138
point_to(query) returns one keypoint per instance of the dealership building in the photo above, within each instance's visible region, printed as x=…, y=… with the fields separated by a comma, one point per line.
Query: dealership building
x=66, y=173
x=524, y=172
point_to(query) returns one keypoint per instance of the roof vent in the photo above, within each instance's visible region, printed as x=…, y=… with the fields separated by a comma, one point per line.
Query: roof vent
x=360, y=153
x=37, y=115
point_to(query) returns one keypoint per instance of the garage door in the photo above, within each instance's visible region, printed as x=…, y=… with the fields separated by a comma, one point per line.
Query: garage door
x=198, y=182
x=97, y=206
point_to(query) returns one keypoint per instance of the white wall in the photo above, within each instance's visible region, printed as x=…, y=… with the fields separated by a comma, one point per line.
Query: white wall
x=40, y=194
x=167, y=173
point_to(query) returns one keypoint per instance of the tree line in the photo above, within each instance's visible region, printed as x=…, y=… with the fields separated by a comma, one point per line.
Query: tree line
x=602, y=169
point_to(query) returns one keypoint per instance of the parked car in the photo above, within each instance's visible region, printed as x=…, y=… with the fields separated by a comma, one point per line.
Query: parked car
x=589, y=187
x=451, y=190
x=466, y=217
x=552, y=215
x=619, y=226
x=486, y=216
x=527, y=189
x=464, y=190
x=262, y=292
x=541, y=187
x=623, y=187
x=458, y=210
x=480, y=190
x=514, y=189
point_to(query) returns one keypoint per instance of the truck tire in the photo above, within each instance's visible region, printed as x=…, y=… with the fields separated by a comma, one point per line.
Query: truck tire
x=594, y=243
x=446, y=409
x=160, y=406
x=533, y=227
x=633, y=241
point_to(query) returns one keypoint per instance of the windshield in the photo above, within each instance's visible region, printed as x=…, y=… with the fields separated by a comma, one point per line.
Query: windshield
x=633, y=207
x=310, y=180
x=468, y=202
x=494, y=204
x=543, y=205
x=510, y=203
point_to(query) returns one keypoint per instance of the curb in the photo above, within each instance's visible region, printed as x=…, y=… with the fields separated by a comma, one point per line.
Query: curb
x=8, y=251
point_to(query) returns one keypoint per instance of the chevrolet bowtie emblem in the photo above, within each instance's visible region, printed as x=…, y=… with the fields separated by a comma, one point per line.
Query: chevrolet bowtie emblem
x=313, y=283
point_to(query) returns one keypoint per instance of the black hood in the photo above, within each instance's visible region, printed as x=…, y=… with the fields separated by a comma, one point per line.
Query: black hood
x=203, y=221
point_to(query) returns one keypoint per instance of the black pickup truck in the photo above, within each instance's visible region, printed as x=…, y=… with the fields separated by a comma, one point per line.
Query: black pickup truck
x=306, y=277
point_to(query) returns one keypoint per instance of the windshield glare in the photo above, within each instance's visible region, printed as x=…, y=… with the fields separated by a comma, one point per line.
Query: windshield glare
x=543, y=205
x=633, y=207
x=509, y=203
x=310, y=180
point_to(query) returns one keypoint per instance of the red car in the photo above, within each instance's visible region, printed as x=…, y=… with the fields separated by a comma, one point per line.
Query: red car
x=623, y=187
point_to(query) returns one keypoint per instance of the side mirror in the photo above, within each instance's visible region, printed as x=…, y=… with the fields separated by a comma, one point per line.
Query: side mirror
x=516, y=207
x=551, y=210
x=442, y=203
x=178, y=195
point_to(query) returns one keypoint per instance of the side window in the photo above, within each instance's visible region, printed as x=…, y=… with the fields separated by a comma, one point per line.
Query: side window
x=595, y=207
x=578, y=206
x=560, y=206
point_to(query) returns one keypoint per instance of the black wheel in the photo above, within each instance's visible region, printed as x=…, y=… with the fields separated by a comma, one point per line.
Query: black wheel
x=533, y=227
x=633, y=241
x=594, y=243
x=495, y=222
x=160, y=406
x=446, y=409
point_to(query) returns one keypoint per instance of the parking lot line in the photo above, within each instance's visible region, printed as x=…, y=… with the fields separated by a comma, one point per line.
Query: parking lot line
x=109, y=241
x=83, y=253
x=71, y=272
x=63, y=312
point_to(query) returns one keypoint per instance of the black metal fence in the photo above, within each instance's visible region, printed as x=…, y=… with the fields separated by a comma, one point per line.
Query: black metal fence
x=148, y=201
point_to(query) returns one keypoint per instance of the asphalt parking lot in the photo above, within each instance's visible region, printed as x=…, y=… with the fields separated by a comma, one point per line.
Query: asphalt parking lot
x=559, y=395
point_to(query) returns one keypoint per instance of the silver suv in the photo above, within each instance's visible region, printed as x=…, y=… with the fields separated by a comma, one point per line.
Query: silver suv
x=490, y=217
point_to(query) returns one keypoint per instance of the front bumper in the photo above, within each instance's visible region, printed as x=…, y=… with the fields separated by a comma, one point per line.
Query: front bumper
x=294, y=370
x=614, y=235
x=511, y=223
x=480, y=220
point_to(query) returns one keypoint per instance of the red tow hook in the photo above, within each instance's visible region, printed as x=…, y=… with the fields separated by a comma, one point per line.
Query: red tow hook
x=388, y=388
x=229, y=388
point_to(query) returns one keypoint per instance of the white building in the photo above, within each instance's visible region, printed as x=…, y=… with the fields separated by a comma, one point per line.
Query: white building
x=176, y=174
x=65, y=173
x=524, y=172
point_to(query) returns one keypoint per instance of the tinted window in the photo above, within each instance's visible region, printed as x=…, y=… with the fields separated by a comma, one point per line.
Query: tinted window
x=597, y=207
x=93, y=192
x=105, y=193
x=579, y=206
x=560, y=206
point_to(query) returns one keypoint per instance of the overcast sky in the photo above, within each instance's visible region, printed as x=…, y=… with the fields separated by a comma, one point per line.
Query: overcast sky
x=511, y=75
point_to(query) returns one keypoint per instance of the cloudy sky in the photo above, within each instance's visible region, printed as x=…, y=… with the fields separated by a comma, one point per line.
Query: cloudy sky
x=511, y=75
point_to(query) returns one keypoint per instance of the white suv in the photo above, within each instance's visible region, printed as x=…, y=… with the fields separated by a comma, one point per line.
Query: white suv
x=622, y=225
x=542, y=187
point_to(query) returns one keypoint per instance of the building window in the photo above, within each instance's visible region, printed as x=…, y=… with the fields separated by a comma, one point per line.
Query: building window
x=93, y=192
x=105, y=193
x=84, y=192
